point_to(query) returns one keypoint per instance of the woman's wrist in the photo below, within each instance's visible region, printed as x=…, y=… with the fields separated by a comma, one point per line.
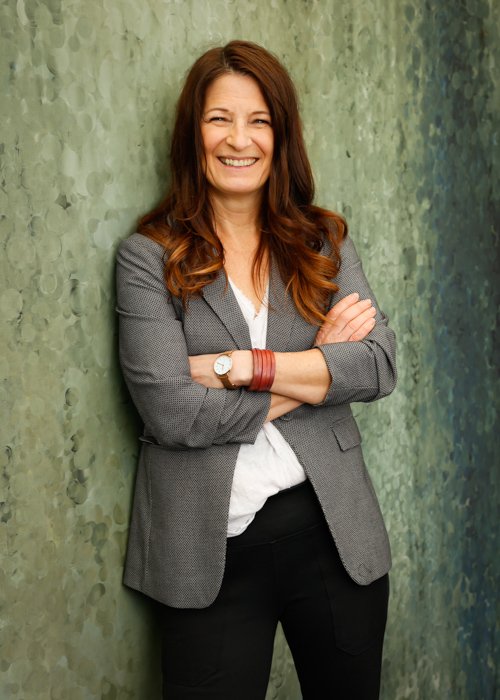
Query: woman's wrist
x=242, y=370
x=253, y=368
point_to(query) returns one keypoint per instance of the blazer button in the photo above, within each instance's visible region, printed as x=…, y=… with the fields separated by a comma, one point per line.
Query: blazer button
x=286, y=416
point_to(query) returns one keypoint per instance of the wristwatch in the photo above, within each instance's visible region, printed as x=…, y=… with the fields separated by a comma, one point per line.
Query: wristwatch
x=222, y=367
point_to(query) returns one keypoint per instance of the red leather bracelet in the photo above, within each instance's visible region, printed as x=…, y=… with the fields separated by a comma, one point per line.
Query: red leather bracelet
x=271, y=372
x=264, y=370
x=257, y=370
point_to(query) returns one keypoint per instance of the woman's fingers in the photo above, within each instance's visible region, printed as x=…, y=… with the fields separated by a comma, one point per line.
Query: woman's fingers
x=349, y=319
x=342, y=305
x=354, y=324
x=335, y=320
x=364, y=330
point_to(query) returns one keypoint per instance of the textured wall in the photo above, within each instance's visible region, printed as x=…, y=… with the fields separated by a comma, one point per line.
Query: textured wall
x=401, y=105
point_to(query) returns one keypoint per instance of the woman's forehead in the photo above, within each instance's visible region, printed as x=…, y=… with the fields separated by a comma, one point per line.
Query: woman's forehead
x=235, y=90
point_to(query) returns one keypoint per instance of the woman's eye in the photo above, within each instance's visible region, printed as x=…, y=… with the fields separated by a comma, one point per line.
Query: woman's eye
x=262, y=122
x=218, y=119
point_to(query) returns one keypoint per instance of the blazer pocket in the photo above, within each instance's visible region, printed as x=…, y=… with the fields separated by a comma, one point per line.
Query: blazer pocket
x=347, y=433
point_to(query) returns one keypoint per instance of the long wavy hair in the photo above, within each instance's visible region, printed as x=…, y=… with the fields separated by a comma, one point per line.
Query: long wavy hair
x=294, y=231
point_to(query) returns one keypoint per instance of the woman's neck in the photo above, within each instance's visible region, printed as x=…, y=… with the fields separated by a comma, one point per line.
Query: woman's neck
x=237, y=224
x=237, y=221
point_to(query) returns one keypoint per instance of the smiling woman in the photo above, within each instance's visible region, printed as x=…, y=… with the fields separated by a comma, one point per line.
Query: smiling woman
x=247, y=327
x=237, y=139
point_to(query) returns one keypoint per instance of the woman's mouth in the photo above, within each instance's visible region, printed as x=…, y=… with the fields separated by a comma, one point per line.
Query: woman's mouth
x=238, y=162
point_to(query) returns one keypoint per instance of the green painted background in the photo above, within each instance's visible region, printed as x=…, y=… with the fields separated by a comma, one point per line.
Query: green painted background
x=400, y=104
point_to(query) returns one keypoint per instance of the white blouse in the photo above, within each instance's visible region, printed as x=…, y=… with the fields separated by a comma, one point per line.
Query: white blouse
x=270, y=464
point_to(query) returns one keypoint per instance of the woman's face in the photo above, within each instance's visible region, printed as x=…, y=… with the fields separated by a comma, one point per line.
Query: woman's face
x=237, y=136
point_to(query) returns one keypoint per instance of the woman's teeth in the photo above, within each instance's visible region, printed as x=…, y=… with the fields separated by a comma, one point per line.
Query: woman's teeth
x=238, y=163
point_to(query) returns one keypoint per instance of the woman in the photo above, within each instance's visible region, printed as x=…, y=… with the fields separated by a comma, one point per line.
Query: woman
x=247, y=327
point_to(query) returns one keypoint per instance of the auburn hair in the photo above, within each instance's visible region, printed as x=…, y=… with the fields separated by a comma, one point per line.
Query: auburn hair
x=294, y=230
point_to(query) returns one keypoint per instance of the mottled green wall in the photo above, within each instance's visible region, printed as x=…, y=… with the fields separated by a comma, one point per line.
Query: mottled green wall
x=401, y=106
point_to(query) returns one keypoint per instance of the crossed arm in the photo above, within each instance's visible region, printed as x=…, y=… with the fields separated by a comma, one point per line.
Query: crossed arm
x=301, y=377
x=180, y=399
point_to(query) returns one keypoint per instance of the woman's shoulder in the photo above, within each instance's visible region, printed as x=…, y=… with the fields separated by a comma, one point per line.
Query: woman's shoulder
x=140, y=252
x=347, y=249
x=139, y=243
x=345, y=252
x=336, y=237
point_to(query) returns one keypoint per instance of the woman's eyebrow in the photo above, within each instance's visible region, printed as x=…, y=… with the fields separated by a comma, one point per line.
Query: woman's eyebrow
x=224, y=109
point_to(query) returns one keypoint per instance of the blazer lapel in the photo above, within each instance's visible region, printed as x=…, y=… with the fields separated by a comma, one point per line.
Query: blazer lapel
x=222, y=301
x=282, y=312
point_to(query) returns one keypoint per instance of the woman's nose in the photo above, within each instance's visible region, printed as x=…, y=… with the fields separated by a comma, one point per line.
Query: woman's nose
x=238, y=136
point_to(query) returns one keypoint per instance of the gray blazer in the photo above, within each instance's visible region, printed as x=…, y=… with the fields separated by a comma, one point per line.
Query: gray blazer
x=177, y=540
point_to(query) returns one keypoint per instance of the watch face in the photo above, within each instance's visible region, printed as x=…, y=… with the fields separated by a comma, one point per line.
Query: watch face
x=223, y=364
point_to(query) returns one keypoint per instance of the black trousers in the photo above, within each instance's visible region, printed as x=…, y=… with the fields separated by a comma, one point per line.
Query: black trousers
x=284, y=567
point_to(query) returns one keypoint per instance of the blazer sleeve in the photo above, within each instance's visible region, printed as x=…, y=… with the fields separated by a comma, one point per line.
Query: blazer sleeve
x=177, y=412
x=364, y=370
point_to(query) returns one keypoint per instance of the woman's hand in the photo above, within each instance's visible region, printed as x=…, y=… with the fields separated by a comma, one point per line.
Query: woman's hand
x=202, y=369
x=348, y=320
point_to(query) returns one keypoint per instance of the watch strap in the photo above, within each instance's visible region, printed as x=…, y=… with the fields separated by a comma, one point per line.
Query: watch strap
x=226, y=381
x=224, y=377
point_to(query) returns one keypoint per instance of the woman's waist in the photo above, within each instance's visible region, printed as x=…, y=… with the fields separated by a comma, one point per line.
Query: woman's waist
x=287, y=513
